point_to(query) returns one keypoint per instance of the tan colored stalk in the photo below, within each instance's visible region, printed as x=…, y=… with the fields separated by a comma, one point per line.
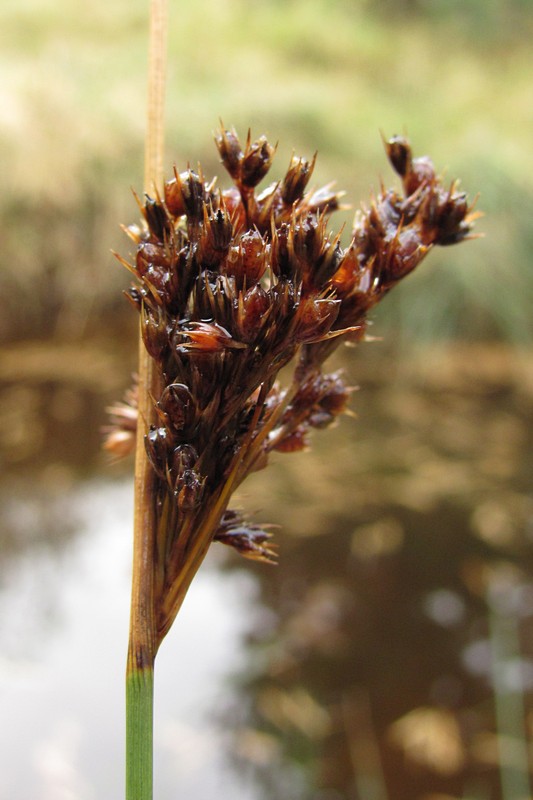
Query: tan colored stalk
x=142, y=639
x=155, y=128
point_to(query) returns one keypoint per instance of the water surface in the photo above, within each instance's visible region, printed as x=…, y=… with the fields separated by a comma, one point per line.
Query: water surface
x=389, y=656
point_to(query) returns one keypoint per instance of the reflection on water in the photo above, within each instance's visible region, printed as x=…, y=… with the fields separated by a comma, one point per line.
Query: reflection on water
x=63, y=643
x=389, y=656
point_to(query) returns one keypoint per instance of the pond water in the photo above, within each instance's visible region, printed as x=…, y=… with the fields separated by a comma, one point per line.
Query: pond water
x=389, y=655
x=63, y=638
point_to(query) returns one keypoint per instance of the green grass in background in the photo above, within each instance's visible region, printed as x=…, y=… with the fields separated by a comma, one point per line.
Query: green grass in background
x=312, y=75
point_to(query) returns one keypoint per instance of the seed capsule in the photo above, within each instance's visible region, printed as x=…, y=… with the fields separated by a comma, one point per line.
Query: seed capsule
x=184, y=457
x=324, y=199
x=188, y=490
x=296, y=179
x=185, y=194
x=157, y=219
x=320, y=419
x=406, y=252
x=451, y=219
x=307, y=240
x=421, y=172
x=216, y=237
x=256, y=162
x=327, y=264
x=157, y=443
x=232, y=201
x=315, y=318
x=282, y=261
x=154, y=331
x=150, y=254
x=336, y=395
x=246, y=260
x=250, y=541
x=230, y=150
x=399, y=154
x=293, y=443
x=390, y=212
x=253, y=312
x=177, y=403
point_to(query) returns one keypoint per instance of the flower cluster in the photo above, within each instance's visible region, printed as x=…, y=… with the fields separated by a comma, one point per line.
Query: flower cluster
x=231, y=286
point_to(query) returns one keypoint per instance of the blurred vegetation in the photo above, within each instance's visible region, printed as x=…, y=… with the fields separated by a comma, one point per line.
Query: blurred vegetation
x=429, y=494
x=324, y=76
x=403, y=594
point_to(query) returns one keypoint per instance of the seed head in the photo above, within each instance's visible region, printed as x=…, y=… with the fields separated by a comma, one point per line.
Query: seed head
x=231, y=287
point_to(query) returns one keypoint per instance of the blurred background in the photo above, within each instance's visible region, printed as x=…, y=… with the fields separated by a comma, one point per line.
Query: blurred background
x=389, y=656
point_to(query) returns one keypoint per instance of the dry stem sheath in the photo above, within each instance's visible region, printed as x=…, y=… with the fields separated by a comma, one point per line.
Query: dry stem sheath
x=142, y=639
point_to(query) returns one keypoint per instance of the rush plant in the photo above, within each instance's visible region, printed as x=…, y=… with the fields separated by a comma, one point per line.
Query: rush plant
x=232, y=285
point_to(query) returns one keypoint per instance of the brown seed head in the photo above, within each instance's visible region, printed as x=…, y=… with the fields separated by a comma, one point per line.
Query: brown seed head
x=230, y=288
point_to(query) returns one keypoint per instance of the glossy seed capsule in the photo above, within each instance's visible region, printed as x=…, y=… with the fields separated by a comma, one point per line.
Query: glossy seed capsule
x=178, y=405
x=157, y=219
x=157, y=443
x=256, y=162
x=230, y=150
x=188, y=490
x=296, y=179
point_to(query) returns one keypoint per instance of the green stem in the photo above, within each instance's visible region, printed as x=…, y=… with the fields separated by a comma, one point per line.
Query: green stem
x=142, y=647
x=139, y=733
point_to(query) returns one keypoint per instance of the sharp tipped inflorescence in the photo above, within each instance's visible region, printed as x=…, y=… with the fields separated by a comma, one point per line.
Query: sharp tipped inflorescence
x=231, y=286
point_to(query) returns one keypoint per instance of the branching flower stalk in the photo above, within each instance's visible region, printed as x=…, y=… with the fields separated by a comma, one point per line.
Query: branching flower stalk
x=231, y=286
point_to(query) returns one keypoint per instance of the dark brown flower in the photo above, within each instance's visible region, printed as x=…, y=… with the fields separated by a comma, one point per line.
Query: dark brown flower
x=231, y=287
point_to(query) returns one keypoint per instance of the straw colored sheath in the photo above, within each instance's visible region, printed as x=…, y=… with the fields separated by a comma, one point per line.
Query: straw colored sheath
x=142, y=647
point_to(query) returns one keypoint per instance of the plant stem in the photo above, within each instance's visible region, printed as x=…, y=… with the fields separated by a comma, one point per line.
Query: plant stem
x=139, y=736
x=155, y=127
x=142, y=639
x=141, y=648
